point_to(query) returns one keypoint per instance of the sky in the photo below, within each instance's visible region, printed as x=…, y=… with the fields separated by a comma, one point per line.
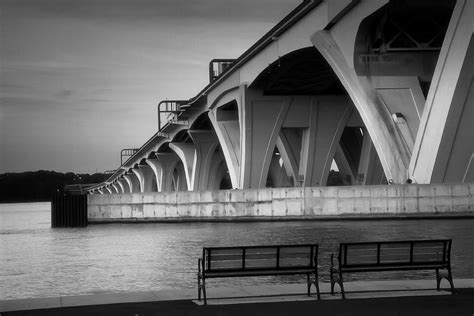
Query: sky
x=80, y=79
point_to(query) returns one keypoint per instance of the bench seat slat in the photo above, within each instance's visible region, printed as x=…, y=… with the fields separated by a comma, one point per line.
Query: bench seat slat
x=258, y=272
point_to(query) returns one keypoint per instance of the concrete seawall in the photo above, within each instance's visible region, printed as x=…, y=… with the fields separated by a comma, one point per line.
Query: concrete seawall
x=384, y=201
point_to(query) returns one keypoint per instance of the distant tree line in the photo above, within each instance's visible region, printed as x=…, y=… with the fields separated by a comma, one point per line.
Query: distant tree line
x=40, y=185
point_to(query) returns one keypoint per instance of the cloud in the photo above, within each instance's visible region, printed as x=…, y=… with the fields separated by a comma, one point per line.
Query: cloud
x=19, y=103
x=241, y=10
x=65, y=93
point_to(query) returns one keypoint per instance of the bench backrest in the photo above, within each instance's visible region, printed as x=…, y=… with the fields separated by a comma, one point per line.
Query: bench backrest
x=399, y=253
x=259, y=258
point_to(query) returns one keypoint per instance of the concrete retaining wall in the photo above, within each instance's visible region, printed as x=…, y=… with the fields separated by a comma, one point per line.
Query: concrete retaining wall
x=287, y=203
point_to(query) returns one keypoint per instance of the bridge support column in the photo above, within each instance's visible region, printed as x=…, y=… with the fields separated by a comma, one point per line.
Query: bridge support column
x=205, y=143
x=133, y=182
x=444, y=146
x=123, y=186
x=277, y=173
x=157, y=171
x=217, y=172
x=320, y=141
x=168, y=162
x=261, y=119
x=145, y=177
x=226, y=125
x=344, y=166
x=289, y=146
x=386, y=136
x=369, y=171
x=187, y=153
x=115, y=189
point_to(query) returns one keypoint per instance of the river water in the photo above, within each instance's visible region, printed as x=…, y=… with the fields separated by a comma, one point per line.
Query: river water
x=39, y=261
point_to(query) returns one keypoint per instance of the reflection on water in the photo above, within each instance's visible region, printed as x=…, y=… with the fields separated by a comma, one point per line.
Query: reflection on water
x=38, y=261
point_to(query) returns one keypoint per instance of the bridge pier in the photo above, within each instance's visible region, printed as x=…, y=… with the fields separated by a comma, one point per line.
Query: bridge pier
x=444, y=147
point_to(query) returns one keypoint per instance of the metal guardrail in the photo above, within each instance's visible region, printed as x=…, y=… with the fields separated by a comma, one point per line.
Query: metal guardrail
x=127, y=152
x=169, y=110
x=217, y=67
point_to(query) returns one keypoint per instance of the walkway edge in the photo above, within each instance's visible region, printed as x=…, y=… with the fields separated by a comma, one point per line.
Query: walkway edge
x=256, y=291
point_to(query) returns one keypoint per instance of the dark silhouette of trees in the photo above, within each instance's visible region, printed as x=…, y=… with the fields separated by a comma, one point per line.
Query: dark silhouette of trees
x=40, y=185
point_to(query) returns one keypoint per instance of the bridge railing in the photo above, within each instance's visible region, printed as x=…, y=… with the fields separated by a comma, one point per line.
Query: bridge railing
x=217, y=67
x=169, y=111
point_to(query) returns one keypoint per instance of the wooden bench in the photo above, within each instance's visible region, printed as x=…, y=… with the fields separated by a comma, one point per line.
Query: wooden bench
x=391, y=256
x=225, y=262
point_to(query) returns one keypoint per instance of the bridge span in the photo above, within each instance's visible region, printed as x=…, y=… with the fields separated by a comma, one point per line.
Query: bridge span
x=382, y=89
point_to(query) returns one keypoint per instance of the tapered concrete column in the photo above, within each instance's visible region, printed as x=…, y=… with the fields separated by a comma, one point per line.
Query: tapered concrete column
x=444, y=146
x=179, y=181
x=228, y=132
x=109, y=190
x=261, y=119
x=141, y=179
x=133, y=182
x=369, y=170
x=149, y=178
x=217, y=172
x=115, y=190
x=386, y=136
x=100, y=191
x=277, y=173
x=320, y=141
x=168, y=162
x=403, y=98
x=344, y=166
x=289, y=146
x=187, y=153
x=145, y=177
x=123, y=186
x=205, y=143
x=157, y=171
x=227, y=128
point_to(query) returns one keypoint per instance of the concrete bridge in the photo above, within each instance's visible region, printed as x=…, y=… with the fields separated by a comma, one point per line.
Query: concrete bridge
x=382, y=89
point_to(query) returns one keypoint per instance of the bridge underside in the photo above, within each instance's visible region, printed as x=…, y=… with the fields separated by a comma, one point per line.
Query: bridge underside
x=354, y=93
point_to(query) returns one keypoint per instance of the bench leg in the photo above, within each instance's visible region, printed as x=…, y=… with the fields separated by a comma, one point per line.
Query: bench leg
x=448, y=276
x=199, y=287
x=204, y=290
x=341, y=284
x=331, y=273
x=316, y=283
x=308, y=284
x=438, y=279
x=313, y=280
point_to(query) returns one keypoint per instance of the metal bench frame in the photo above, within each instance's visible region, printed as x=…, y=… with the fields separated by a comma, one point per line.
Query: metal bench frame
x=205, y=270
x=343, y=267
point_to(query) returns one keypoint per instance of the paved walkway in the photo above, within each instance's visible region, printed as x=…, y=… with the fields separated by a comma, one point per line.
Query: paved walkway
x=363, y=298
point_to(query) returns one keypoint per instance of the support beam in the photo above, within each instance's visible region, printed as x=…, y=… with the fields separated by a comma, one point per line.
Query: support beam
x=261, y=119
x=228, y=133
x=168, y=162
x=114, y=188
x=145, y=177
x=133, y=182
x=328, y=117
x=289, y=146
x=344, y=166
x=444, y=144
x=123, y=186
x=378, y=121
x=187, y=153
x=155, y=165
x=205, y=143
